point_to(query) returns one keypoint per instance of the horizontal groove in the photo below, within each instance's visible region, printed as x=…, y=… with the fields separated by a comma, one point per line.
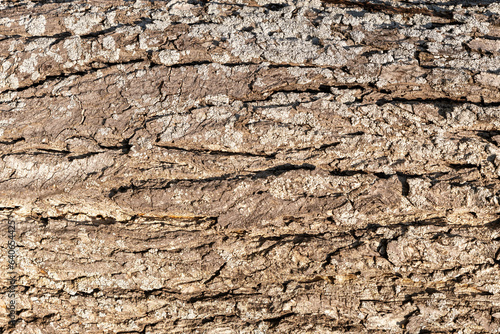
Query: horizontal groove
x=385, y=8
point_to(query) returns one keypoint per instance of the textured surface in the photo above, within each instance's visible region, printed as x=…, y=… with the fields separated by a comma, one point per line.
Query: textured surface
x=252, y=167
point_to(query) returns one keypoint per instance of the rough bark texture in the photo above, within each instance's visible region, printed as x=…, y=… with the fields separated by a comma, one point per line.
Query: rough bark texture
x=252, y=166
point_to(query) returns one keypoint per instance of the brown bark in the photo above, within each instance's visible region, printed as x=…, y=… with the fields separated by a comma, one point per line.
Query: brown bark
x=250, y=166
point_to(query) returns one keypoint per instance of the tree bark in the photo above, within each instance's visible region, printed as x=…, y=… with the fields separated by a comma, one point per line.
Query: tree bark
x=251, y=166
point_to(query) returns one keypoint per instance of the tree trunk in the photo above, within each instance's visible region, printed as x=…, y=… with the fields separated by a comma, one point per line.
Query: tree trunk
x=250, y=166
